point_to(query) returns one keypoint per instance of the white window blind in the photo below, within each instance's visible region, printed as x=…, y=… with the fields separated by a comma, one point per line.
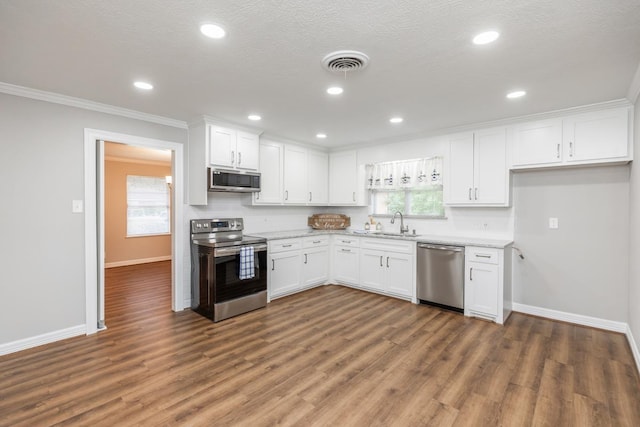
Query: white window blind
x=147, y=205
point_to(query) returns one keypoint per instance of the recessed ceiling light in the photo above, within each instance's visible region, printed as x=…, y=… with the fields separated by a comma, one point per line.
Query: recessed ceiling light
x=321, y=135
x=516, y=94
x=335, y=90
x=213, y=31
x=396, y=119
x=486, y=37
x=143, y=85
x=254, y=117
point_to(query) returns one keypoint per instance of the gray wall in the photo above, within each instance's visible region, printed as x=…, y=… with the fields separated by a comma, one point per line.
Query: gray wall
x=42, y=242
x=634, y=235
x=583, y=266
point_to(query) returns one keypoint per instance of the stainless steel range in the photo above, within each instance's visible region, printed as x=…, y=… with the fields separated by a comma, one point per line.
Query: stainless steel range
x=228, y=270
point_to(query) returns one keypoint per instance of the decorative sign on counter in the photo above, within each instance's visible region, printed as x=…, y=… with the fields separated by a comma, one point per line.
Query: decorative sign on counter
x=329, y=221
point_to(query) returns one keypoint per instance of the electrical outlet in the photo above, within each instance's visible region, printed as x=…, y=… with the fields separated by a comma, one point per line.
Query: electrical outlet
x=553, y=223
x=77, y=206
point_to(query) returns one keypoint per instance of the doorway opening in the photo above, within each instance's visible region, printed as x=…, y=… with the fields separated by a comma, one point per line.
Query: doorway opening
x=137, y=230
x=95, y=237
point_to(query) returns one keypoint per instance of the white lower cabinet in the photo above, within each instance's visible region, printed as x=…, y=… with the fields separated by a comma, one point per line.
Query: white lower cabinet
x=346, y=252
x=387, y=266
x=297, y=264
x=487, y=292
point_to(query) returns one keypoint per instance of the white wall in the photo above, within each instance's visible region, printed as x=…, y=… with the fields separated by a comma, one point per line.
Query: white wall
x=634, y=234
x=41, y=242
x=581, y=267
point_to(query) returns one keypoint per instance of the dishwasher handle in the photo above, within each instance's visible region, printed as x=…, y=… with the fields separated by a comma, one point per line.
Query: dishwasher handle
x=441, y=247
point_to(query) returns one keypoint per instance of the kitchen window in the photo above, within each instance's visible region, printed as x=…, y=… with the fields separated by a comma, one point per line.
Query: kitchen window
x=148, y=209
x=413, y=187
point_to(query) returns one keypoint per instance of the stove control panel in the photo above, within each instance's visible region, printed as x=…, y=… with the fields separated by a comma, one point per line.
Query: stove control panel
x=216, y=225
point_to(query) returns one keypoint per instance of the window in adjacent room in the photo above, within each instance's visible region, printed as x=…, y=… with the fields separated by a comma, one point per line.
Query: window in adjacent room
x=413, y=187
x=147, y=206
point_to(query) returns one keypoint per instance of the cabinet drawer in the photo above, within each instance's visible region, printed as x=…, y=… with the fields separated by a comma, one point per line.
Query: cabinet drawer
x=284, y=245
x=310, y=242
x=388, y=245
x=347, y=241
x=483, y=255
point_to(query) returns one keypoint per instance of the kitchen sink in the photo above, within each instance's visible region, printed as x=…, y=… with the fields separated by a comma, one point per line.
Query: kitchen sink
x=398, y=234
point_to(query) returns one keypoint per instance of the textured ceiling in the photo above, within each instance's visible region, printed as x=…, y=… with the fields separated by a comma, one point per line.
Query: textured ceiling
x=423, y=65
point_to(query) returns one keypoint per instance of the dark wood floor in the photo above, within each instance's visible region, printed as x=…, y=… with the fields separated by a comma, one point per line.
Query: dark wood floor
x=331, y=356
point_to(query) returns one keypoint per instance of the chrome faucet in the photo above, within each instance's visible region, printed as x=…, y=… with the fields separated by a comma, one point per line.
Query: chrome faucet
x=403, y=228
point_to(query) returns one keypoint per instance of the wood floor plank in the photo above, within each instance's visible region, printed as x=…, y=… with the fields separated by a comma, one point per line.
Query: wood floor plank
x=328, y=356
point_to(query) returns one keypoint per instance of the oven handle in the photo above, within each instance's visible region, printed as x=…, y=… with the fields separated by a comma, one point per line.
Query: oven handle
x=234, y=250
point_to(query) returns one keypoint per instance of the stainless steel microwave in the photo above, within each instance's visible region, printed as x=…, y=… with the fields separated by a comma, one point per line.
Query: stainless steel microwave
x=233, y=181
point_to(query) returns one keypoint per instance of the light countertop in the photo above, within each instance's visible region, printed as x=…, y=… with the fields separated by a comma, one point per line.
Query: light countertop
x=420, y=238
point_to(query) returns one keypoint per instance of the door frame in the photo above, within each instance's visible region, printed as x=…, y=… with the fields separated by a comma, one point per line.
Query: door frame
x=93, y=225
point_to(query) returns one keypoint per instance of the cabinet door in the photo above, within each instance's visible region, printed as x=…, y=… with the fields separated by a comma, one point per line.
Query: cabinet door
x=248, y=149
x=460, y=175
x=597, y=135
x=222, y=147
x=271, y=174
x=537, y=143
x=318, y=177
x=372, y=269
x=481, y=290
x=346, y=265
x=315, y=266
x=343, y=178
x=399, y=274
x=295, y=175
x=284, y=273
x=490, y=167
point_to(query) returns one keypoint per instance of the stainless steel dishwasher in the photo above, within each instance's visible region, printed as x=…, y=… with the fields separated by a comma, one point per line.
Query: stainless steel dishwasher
x=440, y=275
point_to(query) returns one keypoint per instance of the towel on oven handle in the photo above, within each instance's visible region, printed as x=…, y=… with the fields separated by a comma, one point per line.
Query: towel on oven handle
x=247, y=266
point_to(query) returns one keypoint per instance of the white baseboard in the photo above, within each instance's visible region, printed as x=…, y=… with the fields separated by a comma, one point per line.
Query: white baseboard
x=579, y=319
x=634, y=347
x=137, y=261
x=49, y=337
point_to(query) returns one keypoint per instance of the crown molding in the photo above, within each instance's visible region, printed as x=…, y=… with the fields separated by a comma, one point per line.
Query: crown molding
x=71, y=101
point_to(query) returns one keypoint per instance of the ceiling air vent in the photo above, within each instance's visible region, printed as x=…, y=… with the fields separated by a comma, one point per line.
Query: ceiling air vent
x=345, y=60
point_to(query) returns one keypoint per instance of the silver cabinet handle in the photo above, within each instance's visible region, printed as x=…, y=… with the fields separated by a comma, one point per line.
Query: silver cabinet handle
x=346, y=241
x=286, y=194
x=354, y=196
x=286, y=246
x=239, y=157
x=310, y=196
x=482, y=256
x=305, y=258
x=558, y=151
x=380, y=260
x=345, y=250
x=317, y=241
x=471, y=273
x=570, y=148
x=476, y=193
x=258, y=195
x=233, y=157
x=273, y=264
x=387, y=262
x=470, y=194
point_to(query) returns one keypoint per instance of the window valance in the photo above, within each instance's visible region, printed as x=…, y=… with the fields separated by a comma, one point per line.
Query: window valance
x=405, y=174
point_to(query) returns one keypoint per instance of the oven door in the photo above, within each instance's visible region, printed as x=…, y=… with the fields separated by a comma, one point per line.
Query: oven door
x=227, y=283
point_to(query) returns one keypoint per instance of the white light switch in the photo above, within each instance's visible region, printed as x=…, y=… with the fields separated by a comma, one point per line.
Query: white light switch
x=77, y=206
x=553, y=223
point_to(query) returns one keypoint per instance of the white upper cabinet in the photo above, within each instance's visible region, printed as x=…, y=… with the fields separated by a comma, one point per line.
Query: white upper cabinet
x=318, y=177
x=478, y=174
x=537, y=143
x=292, y=175
x=271, y=173
x=346, y=181
x=295, y=175
x=233, y=149
x=589, y=138
x=218, y=147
